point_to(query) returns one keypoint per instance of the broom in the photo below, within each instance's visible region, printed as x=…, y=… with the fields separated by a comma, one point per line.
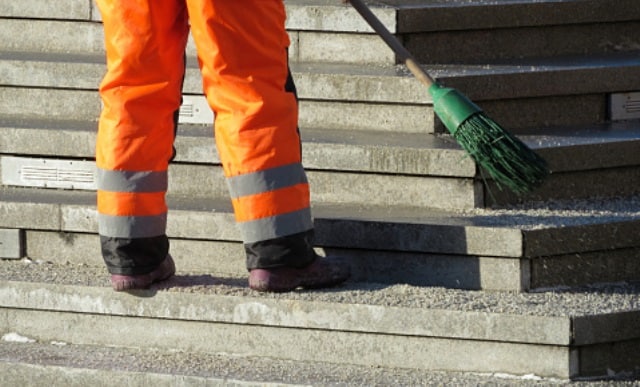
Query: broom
x=508, y=160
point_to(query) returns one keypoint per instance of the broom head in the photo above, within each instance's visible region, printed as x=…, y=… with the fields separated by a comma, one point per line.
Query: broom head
x=508, y=160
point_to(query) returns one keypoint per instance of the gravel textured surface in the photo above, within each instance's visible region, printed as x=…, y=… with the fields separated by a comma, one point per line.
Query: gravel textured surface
x=220, y=367
x=559, y=213
x=610, y=298
x=248, y=369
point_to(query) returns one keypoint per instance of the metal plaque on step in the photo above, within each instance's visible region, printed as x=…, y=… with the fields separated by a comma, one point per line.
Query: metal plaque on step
x=48, y=173
x=195, y=110
x=624, y=106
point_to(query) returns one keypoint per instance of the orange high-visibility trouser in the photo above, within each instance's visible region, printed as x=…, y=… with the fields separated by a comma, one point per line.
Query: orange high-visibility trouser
x=242, y=55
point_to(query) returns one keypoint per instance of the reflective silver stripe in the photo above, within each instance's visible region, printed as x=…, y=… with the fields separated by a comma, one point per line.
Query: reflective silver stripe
x=276, y=226
x=132, y=226
x=267, y=180
x=127, y=181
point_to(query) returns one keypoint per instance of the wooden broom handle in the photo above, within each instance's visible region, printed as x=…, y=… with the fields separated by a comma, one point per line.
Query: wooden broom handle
x=403, y=54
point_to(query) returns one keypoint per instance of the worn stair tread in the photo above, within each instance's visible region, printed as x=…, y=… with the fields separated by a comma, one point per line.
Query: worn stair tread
x=521, y=78
x=413, y=16
x=438, y=15
x=591, y=147
x=553, y=317
x=59, y=363
x=541, y=333
x=366, y=151
x=527, y=216
x=402, y=16
x=558, y=227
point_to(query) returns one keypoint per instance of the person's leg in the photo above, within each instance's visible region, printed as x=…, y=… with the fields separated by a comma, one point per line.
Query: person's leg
x=141, y=94
x=242, y=49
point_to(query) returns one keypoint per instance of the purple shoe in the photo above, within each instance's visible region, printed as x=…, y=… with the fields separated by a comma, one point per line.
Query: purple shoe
x=122, y=282
x=322, y=273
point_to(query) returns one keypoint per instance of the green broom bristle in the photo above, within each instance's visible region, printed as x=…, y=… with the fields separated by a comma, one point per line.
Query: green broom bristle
x=508, y=160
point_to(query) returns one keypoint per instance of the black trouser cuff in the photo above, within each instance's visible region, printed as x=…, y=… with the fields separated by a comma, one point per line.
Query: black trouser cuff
x=134, y=256
x=290, y=251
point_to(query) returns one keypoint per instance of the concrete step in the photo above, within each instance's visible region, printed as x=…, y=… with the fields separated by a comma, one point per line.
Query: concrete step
x=390, y=169
x=552, y=244
x=327, y=31
x=24, y=362
x=584, y=332
x=342, y=168
x=523, y=96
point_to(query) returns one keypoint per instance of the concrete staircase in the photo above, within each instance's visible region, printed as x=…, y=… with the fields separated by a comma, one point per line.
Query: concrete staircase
x=448, y=269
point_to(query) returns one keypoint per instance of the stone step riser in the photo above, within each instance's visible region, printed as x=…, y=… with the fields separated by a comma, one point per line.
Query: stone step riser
x=367, y=335
x=482, y=46
x=226, y=259
x=583, y=75
x=77, y=37
x=448, y=233
x=439, y=177
x=63, y=105
x=295, y=344
x=429, y=254
x=355, y=188
x=70, y=375
x=380, y=99
x=203, y=181
x=519, y=115
x=418, y=269
x=473, y=46
x=447, y=182
x=327, y=16
x=322, y=150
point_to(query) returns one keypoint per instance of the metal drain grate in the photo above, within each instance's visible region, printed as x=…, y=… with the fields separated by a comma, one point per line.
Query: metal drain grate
x=48, y=173
x=624, y=106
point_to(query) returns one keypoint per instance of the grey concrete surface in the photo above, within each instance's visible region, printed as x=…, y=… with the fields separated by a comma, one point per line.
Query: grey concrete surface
x=482, y=232
x=50, y=103
x=63, y=9
x=227, y=259
x=77, y=365
x=419, y=269
x=398, y=15
x=323, y=15
x=585, y=268
x=481, y=249
x=212, y=219
x=358, y=48
x=343, y=48
x=578, y=332
x=361, y=96
x=206, y=181
x=188, y=304
x=416, y=15
x=567, y=150
x=575, y=185
x=291, y=343
x=11, y=243
x=536, y=77
x=505, y=329
x=391, y=153
x=61, y=36
x=503, y=44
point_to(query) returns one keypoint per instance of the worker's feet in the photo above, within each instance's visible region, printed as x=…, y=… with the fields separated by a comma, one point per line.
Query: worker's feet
x=122, y=282
x=323, y=272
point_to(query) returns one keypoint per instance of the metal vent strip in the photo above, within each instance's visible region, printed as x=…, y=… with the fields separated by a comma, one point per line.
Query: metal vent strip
x=624, y=106
x=48, y=173
x=195, y=110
